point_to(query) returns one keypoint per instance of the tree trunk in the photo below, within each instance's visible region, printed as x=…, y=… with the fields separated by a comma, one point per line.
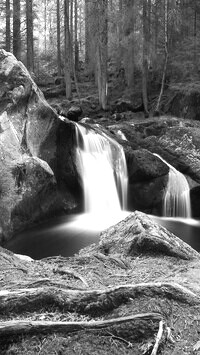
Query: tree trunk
x=149, y=29
x=67, y=51
x=76, y=61
x=58, y=39
x=90, y=35
x=130, y=18
x=45, y=27
x=16, y=29
x=71, y=30
x=145, y=59
x=156, y=35
x=8, y=46
x=166, y=5
x=29, y=28
x=120, y=36
x=195, y=36
x=102, y=41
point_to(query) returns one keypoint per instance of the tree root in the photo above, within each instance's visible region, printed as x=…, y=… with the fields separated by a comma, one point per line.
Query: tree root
x=158, y=338
x=90, y=301
x=18, y=327
x=66, y=271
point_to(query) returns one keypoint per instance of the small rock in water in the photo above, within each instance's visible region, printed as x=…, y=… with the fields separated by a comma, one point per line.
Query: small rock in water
x=74, y=113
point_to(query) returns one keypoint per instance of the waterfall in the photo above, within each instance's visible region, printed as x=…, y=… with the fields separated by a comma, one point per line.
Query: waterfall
x=177, y=194
x=102, y=165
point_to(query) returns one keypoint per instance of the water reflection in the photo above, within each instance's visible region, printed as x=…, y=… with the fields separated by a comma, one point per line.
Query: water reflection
x=187, y=229
x=67, y=235
x=63, y=236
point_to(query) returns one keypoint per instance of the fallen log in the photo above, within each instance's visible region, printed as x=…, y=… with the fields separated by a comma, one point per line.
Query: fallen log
x=90, y=301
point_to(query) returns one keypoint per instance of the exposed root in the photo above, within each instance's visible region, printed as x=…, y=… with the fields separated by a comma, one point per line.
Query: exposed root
x=158, y=338
x=65, y=271
x=90, y=301
x=43, y=282
x=13, y=328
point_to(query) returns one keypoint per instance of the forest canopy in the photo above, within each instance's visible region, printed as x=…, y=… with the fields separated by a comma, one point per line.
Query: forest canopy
x=151, y=42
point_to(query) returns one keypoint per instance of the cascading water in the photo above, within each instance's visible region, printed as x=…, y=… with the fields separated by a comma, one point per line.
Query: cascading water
x=104, y=174
x=177, y=194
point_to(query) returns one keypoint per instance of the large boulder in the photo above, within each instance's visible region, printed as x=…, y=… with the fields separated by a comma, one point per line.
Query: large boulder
x=176, y=140
x=34, y=121
x=28, y=192
x=183, y=101
x=36, y=151
x=139, y=234
x=195, y=201
x=148, y=177
x=144, y=166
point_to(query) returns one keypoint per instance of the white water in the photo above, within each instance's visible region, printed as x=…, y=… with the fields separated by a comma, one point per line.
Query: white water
x=102, y=165
x=177, y=194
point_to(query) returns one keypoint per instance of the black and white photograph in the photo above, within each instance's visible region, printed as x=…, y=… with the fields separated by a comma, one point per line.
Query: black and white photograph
x=99, y=177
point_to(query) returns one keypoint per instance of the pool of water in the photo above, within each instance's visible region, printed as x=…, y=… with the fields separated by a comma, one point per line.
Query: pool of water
x=187, y=229
x=67, y=235
x=62, y=236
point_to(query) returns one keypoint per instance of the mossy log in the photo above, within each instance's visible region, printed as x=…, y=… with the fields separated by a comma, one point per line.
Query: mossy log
x=89, y=301
x=138, y=233
x=18, y=327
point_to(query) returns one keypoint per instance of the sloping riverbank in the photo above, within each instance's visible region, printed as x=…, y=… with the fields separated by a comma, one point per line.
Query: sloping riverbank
x=114, y=297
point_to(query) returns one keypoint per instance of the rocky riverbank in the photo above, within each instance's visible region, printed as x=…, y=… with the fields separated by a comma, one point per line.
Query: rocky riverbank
x=136, y=291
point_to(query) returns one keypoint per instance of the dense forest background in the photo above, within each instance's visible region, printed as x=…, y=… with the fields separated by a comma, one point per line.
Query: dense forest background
x=141, y=45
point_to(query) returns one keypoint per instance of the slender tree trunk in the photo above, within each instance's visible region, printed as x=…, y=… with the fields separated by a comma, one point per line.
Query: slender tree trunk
x=166, y=6
x=91, y=8
x=16, y=29
x=67, y=51
x=145, y=59
x=76, y=37
x=102, y=53
x=120, y=35
x=149, y=28
x=29, y=27
x=45, y=27
x=58, y=39
x=195, y=35
x=156, y=34
x=8, y=46
x=87, y=32
x=130, y=18
x=71, y=28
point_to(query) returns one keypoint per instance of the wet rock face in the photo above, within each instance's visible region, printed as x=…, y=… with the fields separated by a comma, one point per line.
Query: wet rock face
x=144, y=166
x=34, y=146
x=195, y=201
x=27, y=192
x=33, y=119
x=176, y=140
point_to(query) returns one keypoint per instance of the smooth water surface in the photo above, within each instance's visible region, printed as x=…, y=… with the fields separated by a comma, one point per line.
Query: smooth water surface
x=67, y=235
x=187, y=229
x=62, y=236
